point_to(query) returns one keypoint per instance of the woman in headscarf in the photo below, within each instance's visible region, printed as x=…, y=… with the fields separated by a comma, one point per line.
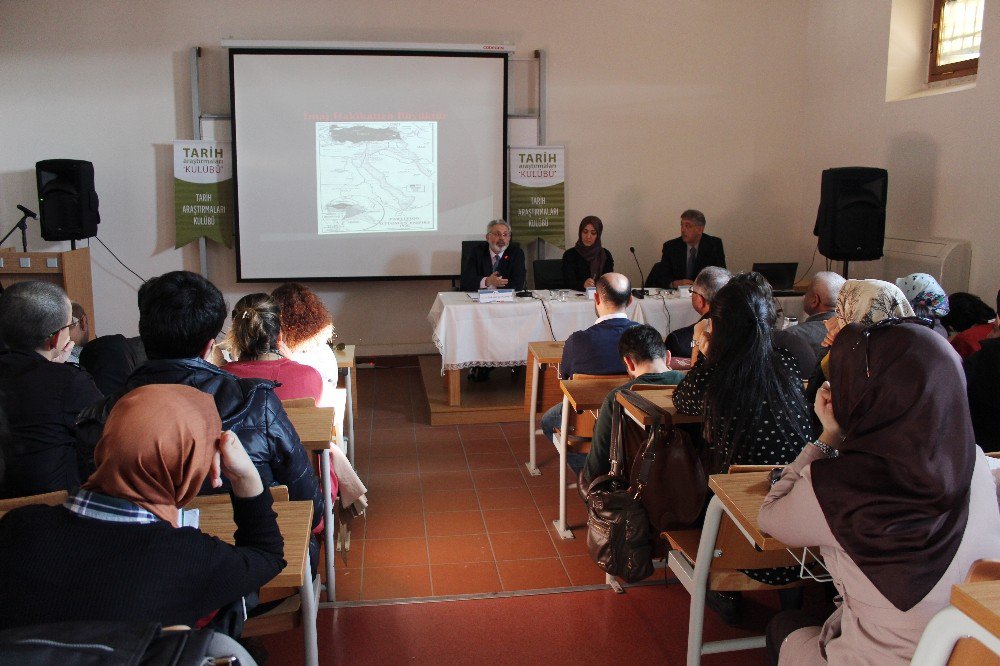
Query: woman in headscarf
x=927, y=298
x=257, y=343
x=115, y=551
x=586, y=261
x=894, y=491
x=865, y=302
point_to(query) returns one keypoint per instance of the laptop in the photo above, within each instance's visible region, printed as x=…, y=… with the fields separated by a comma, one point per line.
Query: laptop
x=781, y=276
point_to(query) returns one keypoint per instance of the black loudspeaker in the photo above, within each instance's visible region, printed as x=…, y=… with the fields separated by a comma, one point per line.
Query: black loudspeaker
x=67, y=201
x=851, y=218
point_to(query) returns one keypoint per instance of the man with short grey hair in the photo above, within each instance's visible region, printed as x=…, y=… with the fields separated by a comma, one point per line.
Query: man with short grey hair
x=709, y=281
x=495, y=264
x=41, y=394
x=805, y=341
x=685, y=256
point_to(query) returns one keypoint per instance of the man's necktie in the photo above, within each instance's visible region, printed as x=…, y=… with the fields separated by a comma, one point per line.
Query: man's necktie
x=496, y=262
x=692, y=255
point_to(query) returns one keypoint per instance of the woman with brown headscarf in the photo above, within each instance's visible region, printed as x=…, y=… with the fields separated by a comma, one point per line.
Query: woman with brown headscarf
x=588, y=260
x=895, y=493
x=114, y=550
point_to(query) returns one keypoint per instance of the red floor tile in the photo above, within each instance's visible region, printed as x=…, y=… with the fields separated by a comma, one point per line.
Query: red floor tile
x=406, y=465
x=445, y=463
x=384, y=503
x=436, y=434
x=466, y=578
x=394, y=526
x=348, y=584
x=395, y=552
x=431, y=481
x=437, y=501
x=483, y=431
x=393, y=449
x=532, y=574
x=498, y=478
x=391, y=483
x=396, y=582
x=454, y=523
x=522, y=545
x=513, y=520
x=501, y=460
x=498, y=445
x=583, y=571
x=381, y=436
x=443, y=447
x=505, y=498
x=462, y=548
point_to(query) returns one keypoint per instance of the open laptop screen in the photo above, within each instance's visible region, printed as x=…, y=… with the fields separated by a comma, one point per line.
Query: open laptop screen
x=780, y=275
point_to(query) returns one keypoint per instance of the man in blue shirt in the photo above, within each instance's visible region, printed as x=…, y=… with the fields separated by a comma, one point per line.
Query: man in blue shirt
x=594, y=351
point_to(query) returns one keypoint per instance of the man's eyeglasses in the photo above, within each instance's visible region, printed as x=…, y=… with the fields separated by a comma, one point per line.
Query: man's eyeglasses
x=500, y=234
x=69, y=325
x=888, y=323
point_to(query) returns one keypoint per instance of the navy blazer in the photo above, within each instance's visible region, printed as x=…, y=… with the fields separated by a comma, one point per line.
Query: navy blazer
x=594, y=351
x=479, y=265
x=673, y=262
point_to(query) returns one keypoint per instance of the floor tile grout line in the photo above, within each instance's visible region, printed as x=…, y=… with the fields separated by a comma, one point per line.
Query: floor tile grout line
x=482, y=515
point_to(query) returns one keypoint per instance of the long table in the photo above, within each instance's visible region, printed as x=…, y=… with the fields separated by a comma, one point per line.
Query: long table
x=494, y=335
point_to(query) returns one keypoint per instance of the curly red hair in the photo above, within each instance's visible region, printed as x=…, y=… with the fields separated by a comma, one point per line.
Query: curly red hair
x=303, y=315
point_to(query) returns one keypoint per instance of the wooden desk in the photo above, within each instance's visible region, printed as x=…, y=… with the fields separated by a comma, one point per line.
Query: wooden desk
x=295, y=523
x=981, y=602
x=345, y=359
x=541, y=389
x=580, y=395
x=662, y=398
x=742, y=496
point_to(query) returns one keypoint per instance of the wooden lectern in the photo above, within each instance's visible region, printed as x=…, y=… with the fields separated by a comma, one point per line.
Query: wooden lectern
x=70, y=270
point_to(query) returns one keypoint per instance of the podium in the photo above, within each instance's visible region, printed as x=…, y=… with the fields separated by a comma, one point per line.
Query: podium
x=70, y=270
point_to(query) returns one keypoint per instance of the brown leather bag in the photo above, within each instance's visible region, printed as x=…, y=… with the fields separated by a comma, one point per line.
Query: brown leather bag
x=677, y=486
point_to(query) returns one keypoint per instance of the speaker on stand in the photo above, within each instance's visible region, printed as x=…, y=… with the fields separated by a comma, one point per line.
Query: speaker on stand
x=67, y=200
x=850, y=222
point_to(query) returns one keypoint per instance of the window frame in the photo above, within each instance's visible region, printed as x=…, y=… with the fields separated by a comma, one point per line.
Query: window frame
x=952, y=70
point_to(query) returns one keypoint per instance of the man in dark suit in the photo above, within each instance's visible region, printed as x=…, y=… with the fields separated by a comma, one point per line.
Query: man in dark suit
x=709, y=281
x=495, y=265
x=594, y=351
x=685, y=256
x=805, y=341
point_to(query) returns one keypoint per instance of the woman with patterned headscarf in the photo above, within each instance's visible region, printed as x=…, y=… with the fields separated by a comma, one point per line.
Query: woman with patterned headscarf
x=115, y=550
x=894, y=492
x=927, y=298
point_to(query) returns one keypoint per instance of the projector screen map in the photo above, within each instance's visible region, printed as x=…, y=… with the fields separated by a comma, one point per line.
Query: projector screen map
x=376, y=177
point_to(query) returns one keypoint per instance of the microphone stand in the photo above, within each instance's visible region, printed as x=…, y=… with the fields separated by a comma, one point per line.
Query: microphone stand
x=639, y=293
x=23, y=226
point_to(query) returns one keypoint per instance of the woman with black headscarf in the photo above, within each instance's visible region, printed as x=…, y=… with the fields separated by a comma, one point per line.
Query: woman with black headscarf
x=586, y=261
x=895, y=493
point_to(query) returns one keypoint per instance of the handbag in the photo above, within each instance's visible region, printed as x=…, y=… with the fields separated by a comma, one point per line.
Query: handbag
x=618, y=534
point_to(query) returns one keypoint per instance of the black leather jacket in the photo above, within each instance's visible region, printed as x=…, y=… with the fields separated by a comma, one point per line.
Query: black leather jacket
x=248, y=407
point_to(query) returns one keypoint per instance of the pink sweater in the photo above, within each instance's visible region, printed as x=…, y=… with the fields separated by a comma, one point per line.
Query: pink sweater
x=297, y=380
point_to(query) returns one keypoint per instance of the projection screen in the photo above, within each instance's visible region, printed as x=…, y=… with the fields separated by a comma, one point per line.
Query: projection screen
x=353, y=164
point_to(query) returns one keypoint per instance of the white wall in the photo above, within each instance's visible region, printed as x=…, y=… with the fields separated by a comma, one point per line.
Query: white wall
x=731, y=107
x=942, y=150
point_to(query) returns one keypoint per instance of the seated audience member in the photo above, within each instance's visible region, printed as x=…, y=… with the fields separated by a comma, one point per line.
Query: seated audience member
x=79, y=333
x=256, y=342
x=306, y=332
x=894, y=492
x=982, y=372
x=971, y=320
x=684, y=257
x=588, y=260
x=594, y=351
x=115, y=551
x=495, y=265
x=708, y=282
x=110, y=359
x=750, y=394
x=927, y=298
x=864, y=302
x=180, y=313
x=647, y=362
x=41, y=395
x=819, y=303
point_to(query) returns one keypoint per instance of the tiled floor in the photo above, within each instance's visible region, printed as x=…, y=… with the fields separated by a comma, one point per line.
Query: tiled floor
x=452, y=508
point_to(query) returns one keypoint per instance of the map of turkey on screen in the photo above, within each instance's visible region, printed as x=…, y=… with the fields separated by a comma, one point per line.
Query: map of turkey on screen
x=376, y=177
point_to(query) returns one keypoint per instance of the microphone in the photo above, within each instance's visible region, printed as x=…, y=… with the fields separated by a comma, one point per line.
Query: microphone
x=27, y=212
x=638, y=293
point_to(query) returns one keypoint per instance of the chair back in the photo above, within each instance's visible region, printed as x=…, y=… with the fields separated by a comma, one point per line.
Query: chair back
x=582, y=425
x=50, y=499
x=548, y=274
x=314, y=425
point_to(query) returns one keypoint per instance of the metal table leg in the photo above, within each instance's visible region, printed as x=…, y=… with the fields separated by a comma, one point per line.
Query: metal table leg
x=560, y=442
x=328, y=526
x=532, y=463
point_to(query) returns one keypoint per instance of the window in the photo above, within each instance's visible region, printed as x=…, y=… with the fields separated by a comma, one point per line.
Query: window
x=956, y=33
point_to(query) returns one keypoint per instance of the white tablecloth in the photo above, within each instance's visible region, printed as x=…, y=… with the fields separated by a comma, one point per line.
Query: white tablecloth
x=496, y=335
